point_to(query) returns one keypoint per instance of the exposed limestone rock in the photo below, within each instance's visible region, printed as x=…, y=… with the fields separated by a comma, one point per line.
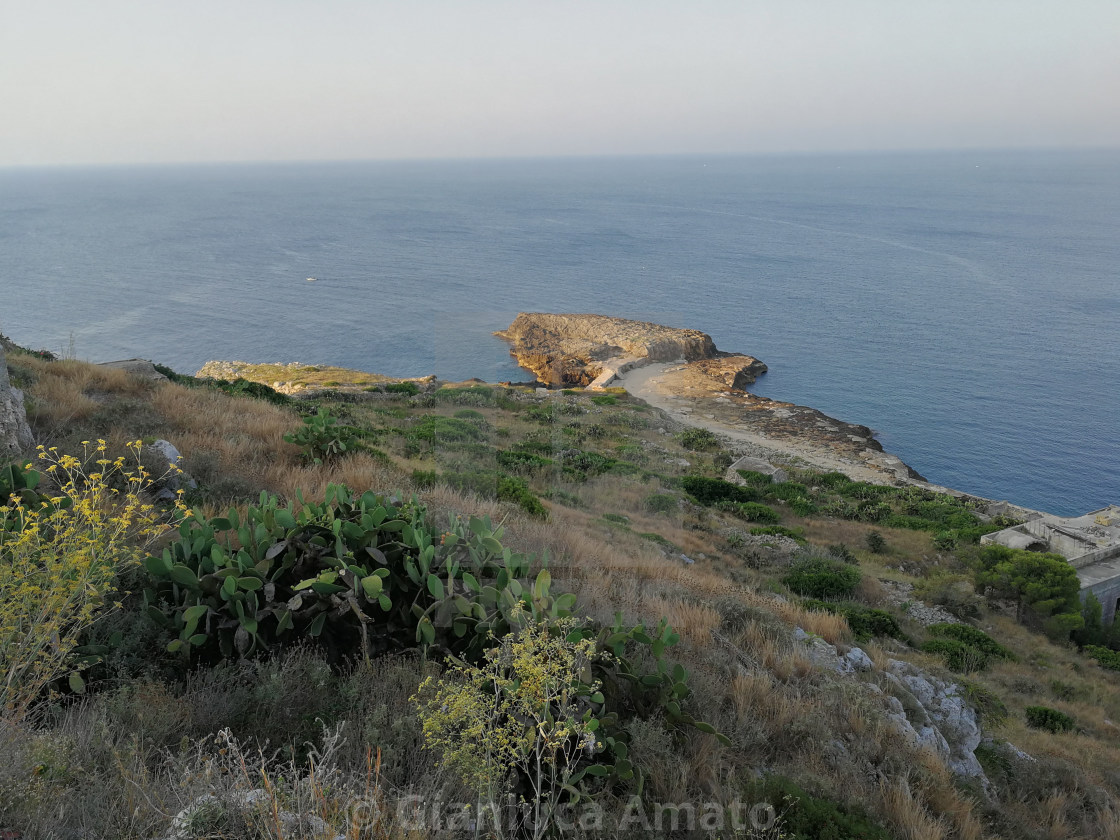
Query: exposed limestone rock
x=828, y=657
x=935, y=715
x=732, y=371
x=940, y=718
x=176, y=480
x=758, y=465
x=141, y=368
x=566, y=350
x=15, y=434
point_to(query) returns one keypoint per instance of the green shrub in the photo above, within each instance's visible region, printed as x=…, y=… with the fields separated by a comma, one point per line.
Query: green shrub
x=875, y=542
x=708, y=491
x=520, y=461
x=803, y=506
x=425, y=478
x=1105, y=657
x=1043, y=717
x=755, y=512
x=865, y=622
x=409, y=389
x=582, y=465
x=972, y=637
x=617, y=518
x=958, y=656
x=698, y=440
x=843, y=553
x=662, y=503
x=778, y=531
x=986, y=702
x=434, y=428
x=605, y=399
x=819, y=577
x=755, y=479
x=808, y=817
x=511, y=489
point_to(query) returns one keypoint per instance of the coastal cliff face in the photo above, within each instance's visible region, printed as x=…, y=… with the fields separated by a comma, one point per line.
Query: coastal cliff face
x=15, y=434
x=570, y=350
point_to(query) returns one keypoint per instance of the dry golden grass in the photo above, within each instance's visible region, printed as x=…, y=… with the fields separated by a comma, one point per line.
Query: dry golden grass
x=750, y=678
x=908, y=815
x=242, y=436
x=67, y=391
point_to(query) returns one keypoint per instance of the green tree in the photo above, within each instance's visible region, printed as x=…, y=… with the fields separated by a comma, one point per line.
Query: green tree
x=1042, y=585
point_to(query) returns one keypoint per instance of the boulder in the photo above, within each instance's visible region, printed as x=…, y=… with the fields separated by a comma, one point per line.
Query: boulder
x=946, y=721
x=777, y=474
x=168, y=488
x=15, y=434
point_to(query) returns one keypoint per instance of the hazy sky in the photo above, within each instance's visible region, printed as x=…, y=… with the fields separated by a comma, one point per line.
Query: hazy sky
x=118, y=81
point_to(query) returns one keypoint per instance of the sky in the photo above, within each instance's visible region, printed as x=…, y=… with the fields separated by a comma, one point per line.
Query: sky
x=147, y=81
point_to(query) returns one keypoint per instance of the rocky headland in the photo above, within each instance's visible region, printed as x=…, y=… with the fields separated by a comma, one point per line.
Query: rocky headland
x=592, y=350
x=681, y=372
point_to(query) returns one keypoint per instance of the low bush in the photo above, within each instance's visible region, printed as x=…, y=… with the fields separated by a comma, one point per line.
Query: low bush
x=1043, y=717
x=408, y=389
x=605, y=399
x=470, y=395
x=755, y=512
x=804, y=816
x=958, y=656
x=662, y=503
x=1105, y=657
x=756, y=479
x=778, y=531
x=820, y=577
x=865, y=622
x=698, y=440
x=973, y=637
x=520, y=461
x=434, y=428
x=708, y=491
x=987, y=703
x=424, y=478
x=875, y=542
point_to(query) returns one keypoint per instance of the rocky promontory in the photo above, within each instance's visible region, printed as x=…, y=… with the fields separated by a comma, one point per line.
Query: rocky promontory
x=590, y=350
x=681, y=372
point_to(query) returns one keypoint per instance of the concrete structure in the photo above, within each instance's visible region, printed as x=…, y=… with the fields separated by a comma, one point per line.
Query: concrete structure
x=1091, y=544
x=777, y=474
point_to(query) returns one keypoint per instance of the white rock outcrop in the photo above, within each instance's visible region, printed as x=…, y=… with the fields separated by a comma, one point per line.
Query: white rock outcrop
x=941, y=718
x=15, y=434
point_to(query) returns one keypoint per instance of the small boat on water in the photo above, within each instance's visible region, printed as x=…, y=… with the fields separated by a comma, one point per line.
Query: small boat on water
x=311, y=279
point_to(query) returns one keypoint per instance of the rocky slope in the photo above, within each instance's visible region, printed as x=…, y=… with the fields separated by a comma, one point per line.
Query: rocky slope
x=15, y=434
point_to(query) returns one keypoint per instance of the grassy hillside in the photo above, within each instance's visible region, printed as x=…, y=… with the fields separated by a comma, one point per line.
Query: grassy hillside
x=626, y=512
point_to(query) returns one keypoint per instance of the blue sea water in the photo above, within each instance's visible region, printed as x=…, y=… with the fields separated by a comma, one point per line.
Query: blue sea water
x=964, y=305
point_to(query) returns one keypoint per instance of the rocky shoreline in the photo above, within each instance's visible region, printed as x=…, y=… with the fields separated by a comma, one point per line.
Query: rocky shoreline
x=681, y=372
x=677, y=371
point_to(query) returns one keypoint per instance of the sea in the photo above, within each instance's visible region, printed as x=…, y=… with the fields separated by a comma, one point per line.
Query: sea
x=965, y=305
